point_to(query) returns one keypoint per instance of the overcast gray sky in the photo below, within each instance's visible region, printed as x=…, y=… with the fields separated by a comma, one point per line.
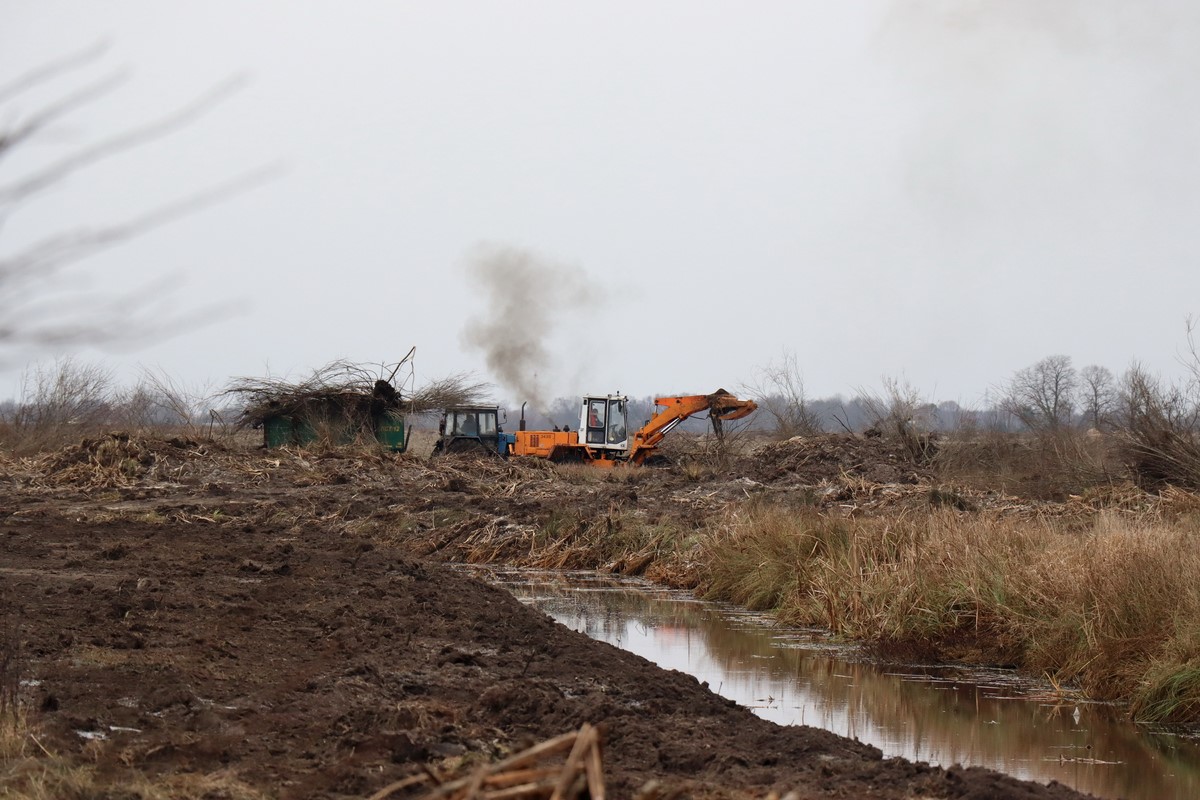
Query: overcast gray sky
x=939, y=190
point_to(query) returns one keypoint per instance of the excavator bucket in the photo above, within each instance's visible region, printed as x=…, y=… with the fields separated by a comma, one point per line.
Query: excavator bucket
x=724, y=406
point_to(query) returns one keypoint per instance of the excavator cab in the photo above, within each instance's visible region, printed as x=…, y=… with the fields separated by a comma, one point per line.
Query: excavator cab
x=604, y=423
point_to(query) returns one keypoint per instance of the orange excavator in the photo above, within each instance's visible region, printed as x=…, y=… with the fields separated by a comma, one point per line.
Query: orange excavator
x=603, y=438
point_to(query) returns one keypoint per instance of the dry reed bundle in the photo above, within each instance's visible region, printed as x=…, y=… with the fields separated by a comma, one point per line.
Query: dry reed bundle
x=459, y=389
x=524, y=775
x=345, y=390
x=339, y=389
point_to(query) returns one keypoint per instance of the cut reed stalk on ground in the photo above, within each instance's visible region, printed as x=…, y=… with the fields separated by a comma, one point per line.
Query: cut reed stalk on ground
x=524, y=775
x=618, y=541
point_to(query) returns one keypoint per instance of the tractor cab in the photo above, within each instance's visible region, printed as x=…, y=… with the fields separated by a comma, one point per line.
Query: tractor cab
x=604, y=423
x=466, y=429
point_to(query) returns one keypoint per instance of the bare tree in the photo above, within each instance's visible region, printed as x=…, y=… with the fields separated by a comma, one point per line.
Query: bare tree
x=1043, y=395
x=59, y=401
x=779, y=391
x=32, y=311
x=900, y=412
x=1098, y=395
x=1192, y=359
x=897, y=409
x=1161, y=429
x=159, y=400
x=1144, y=398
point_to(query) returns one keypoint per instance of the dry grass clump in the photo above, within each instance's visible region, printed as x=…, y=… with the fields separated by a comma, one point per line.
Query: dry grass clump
x=1159, y=425
x=616, y=542
x=589, y=475
x=14, y=735
x=1039, y=466
x=51, y=777
x=67, y=400
x=13, y=728
x=1170, y=691
x=582, y=474
x=769, y=556
x=1114, y=609
x=1129, y=616
x=1161, y=437
x=1164, y=458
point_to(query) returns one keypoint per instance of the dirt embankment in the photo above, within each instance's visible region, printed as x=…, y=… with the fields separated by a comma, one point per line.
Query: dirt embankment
x=185, y=609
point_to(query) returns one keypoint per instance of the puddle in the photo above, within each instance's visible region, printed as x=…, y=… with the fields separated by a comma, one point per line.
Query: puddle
x=941, y=715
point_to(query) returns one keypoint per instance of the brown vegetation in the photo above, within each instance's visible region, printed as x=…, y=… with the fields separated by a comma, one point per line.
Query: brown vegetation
x=1104, y=602
x=352, y=390
x=1028, y=550
x=211, y=621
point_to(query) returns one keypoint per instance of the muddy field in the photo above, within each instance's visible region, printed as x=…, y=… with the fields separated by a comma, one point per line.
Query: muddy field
x=238, y=623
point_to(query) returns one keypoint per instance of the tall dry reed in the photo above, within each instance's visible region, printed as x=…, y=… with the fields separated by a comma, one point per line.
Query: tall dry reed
x=1114, y=608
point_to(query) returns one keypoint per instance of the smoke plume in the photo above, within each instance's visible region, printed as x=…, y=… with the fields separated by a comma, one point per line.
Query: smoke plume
x=524, y=296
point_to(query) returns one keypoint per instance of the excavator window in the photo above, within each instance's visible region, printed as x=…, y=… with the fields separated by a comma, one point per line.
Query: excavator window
x=595, y=422
x=616, y=421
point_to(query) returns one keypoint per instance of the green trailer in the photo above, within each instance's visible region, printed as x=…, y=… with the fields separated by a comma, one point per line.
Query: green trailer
x=284, y=430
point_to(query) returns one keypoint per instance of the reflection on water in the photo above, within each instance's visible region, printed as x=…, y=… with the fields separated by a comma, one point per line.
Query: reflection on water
x=940, y=715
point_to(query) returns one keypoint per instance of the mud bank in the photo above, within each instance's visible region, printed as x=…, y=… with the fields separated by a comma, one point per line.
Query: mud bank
x=304, y=663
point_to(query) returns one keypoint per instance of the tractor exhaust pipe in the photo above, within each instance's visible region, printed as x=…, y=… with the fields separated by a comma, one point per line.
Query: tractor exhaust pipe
x=521, y=427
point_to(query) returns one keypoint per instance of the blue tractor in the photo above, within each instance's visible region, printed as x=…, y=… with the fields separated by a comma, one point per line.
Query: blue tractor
x=473, y=429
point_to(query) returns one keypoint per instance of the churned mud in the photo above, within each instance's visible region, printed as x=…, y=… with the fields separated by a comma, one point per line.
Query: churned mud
x=287, y=620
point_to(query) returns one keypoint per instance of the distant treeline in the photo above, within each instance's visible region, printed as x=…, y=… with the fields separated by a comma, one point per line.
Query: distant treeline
x=1050, y=395
x=1046, y=397
x=832, y=414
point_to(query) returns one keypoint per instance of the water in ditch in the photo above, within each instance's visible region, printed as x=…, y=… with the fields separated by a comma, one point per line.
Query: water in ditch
x=939, y=715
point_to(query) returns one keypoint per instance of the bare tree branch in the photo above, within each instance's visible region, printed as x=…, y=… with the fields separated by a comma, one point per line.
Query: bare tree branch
x=25, y=278
x=43, y=179
x=54, y=111
x=51, y=253
x=33, y=308
x=49, y=71
x=461, y=389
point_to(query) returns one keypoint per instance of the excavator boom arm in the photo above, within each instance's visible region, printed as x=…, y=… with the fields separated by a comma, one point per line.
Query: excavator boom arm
x=720, y=405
